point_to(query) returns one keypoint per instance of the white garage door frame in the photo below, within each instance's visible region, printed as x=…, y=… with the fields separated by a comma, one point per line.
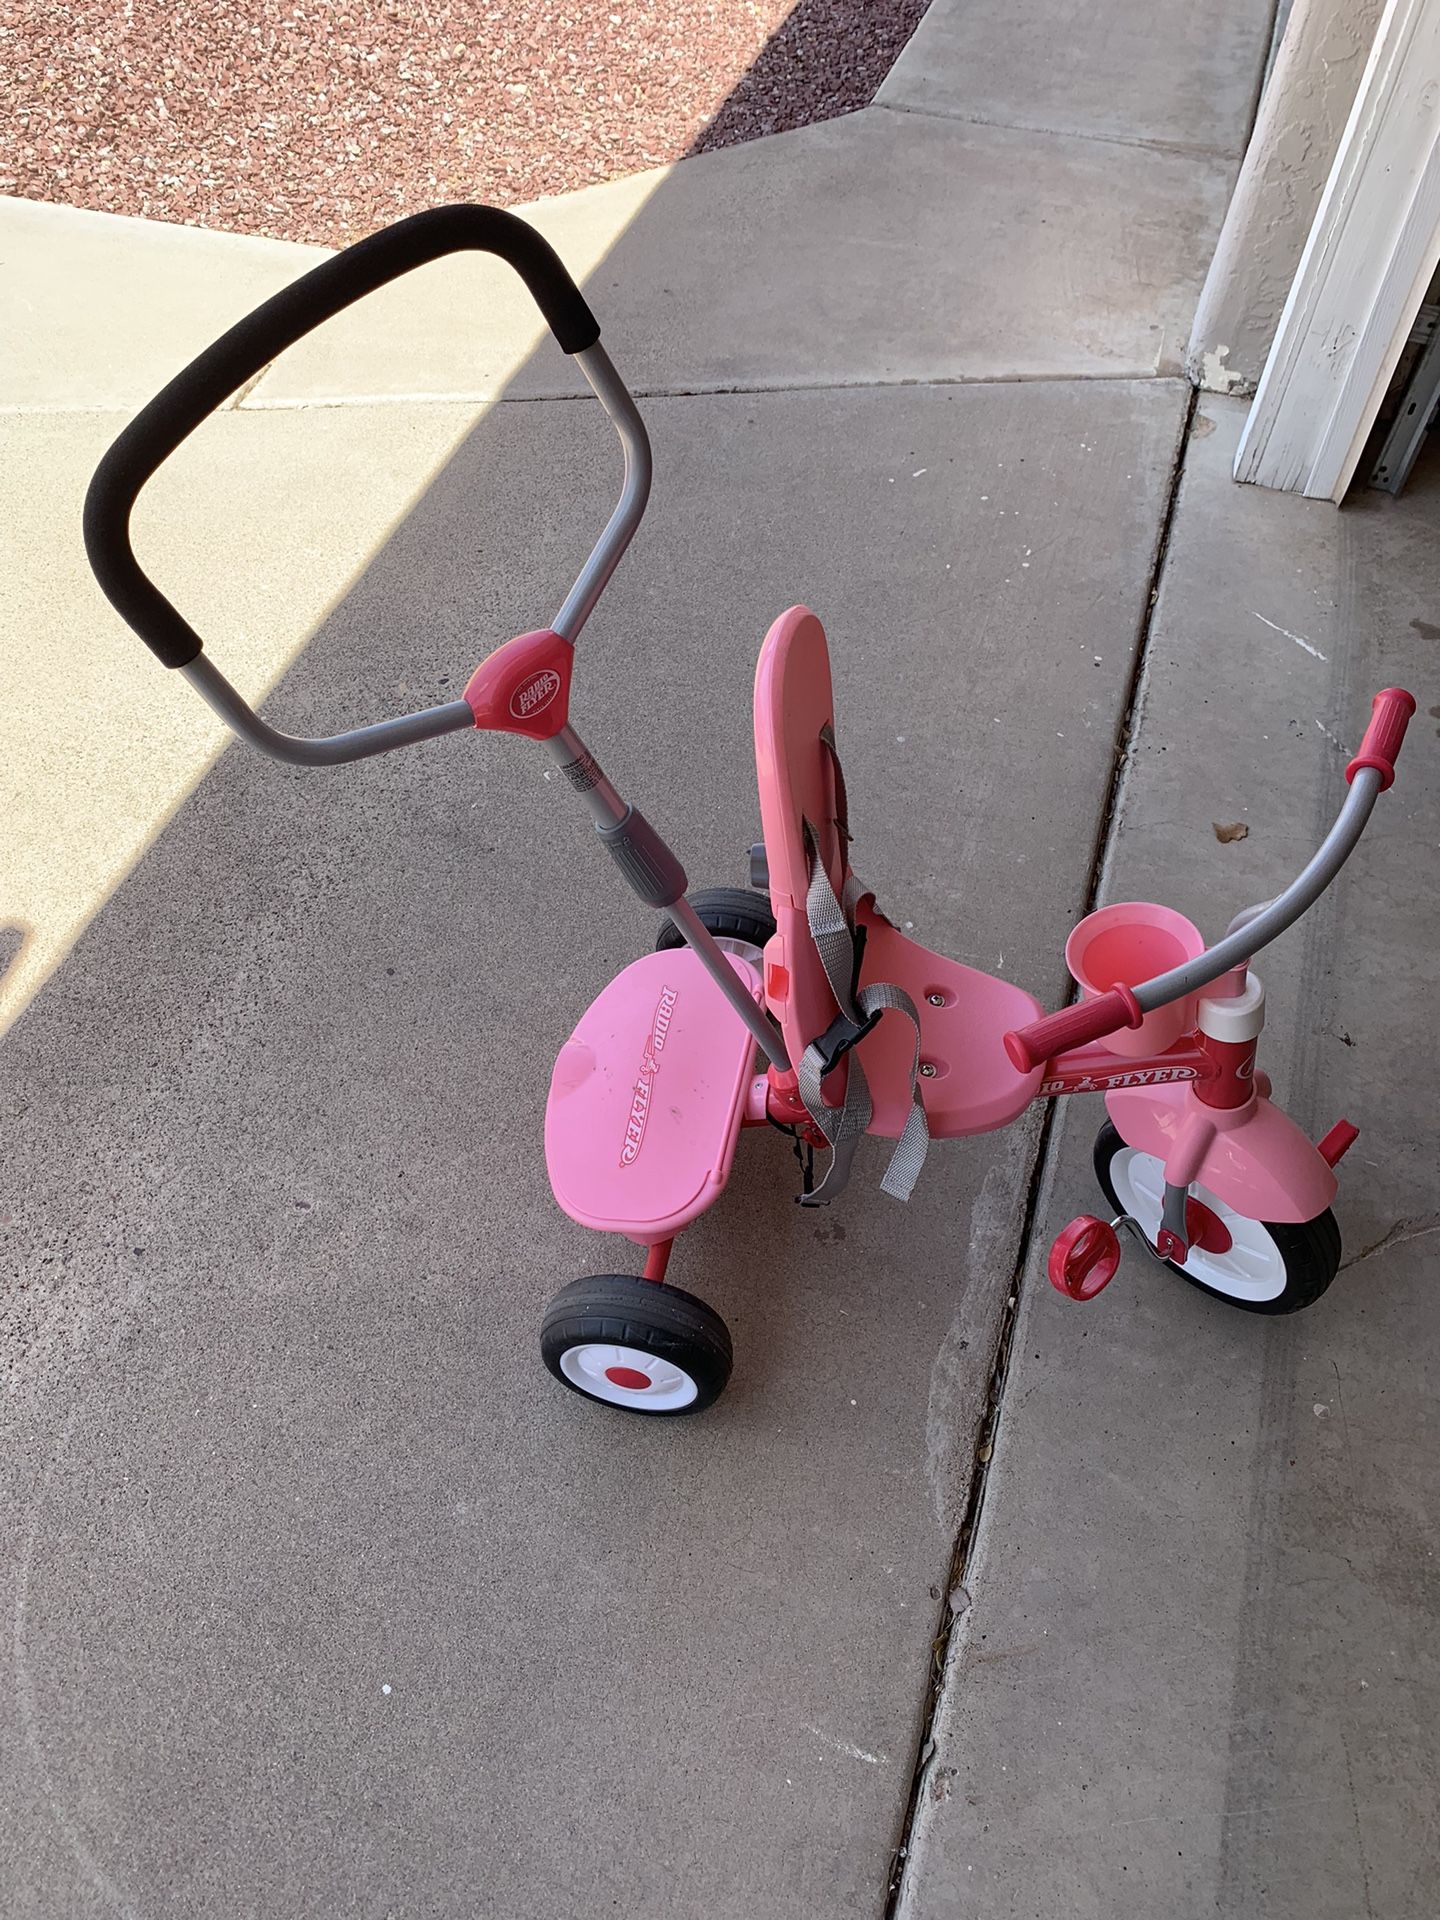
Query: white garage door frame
x=1370, y=257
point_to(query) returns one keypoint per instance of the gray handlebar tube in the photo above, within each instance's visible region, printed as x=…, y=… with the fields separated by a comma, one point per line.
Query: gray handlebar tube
x=383, y=736
x=360, y=743
x=243, y=350
x=612, y=393
x=201, y=386
x=1257, y=926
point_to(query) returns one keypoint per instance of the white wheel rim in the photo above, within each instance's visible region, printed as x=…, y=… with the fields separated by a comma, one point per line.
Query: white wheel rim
x=1252, y=1266
x=594, y=1368
x=743, y=949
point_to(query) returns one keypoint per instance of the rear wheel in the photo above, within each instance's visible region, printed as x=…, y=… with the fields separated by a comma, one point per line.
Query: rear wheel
x=1262, y=1266
x=636, y=1344
x=738, y=917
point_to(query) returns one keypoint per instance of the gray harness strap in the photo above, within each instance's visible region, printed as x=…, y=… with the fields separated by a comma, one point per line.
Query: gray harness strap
x=833, y=931
x=843, y=1127
x=832, y=928
x=914, y=1142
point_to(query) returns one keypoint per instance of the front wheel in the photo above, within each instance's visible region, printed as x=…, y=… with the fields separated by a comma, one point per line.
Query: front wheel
x=636, y=1344
x=1266, y=1267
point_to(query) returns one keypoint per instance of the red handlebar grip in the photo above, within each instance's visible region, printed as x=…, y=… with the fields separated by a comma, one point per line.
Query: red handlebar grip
x=1390, y=713
x=1030, y=1047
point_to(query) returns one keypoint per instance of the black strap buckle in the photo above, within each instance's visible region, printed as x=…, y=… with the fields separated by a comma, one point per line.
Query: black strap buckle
x=840, y=1036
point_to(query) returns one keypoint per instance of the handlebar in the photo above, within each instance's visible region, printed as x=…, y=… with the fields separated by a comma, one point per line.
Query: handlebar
x=1368, y=774
x=1390, y=713
x=246, y=349
x=1030, y=1047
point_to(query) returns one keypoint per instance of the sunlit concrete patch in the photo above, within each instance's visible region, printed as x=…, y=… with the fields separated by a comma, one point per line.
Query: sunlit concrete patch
x=254, y=529
x=99, y=311
x=1161, y=71
x=463, y=327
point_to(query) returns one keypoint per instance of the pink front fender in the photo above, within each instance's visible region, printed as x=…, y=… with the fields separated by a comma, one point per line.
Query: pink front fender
x=1255, y=1158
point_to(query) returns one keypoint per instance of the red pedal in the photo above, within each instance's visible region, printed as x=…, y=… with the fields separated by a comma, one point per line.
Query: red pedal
x=1083, y=1257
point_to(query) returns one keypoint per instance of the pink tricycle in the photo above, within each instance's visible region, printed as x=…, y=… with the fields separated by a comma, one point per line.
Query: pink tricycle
x=795, y=1002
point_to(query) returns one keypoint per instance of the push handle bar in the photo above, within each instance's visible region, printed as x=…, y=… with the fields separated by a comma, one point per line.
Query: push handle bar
x=1390, y=713
x=1368, y=774
x=253, y=342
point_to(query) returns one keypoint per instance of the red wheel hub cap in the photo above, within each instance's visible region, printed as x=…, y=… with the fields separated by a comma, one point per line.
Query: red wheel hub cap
x=630, y=1377
x=1206, y=1229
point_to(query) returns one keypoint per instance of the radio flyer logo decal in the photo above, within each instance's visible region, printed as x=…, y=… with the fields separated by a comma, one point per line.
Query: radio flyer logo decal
x=1107, y=1082
x=644, y=1089
x=532, y=696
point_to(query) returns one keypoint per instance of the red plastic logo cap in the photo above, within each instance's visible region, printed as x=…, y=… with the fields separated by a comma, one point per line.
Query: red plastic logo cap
x=534, y=695
x=524, y=687
x=1083, y=1257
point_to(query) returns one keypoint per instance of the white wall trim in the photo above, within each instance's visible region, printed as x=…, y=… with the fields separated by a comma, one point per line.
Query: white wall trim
x=1304, y=106
x=1366, y=265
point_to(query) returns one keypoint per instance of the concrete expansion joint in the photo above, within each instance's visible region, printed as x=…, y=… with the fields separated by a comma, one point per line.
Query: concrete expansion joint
x=288, y=403
x=246, y=388
x=1196, y=149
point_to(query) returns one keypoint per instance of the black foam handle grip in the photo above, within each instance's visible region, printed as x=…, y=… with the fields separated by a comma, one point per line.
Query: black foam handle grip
x=252, y=343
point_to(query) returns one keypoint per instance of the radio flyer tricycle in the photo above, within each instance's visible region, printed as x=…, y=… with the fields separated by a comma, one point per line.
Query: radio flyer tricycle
x=795, y=1002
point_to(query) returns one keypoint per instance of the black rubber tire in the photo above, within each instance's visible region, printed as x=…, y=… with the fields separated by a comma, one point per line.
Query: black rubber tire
x=730, y=913
x=1310, y=1249
x=624, y=1310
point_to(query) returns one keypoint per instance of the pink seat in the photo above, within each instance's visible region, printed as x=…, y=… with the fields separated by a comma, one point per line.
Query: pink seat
x=647, y=1099
x=974, y=1087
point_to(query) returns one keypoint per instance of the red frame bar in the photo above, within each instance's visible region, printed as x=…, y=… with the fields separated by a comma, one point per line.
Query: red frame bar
x=1095, y=1069
x=657, y=1259
x=1229, y=1079
x=1223, y=1072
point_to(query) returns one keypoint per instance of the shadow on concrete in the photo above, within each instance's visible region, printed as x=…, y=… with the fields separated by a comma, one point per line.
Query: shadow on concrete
x=826, y=58
x=13, y=941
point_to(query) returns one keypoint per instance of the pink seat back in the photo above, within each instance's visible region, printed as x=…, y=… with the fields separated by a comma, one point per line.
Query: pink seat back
x=793, y=705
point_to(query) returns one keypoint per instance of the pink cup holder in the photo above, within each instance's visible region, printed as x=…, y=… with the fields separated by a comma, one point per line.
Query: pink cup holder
x=1125, y=944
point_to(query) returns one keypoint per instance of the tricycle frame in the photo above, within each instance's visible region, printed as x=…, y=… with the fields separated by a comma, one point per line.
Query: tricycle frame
x=860, y=1029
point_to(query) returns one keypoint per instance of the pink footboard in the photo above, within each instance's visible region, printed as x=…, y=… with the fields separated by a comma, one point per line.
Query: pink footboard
x=647, y=1099
x=971, y=1086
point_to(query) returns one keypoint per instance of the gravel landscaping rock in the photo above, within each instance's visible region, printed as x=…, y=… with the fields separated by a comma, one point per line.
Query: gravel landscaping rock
x=321, y=119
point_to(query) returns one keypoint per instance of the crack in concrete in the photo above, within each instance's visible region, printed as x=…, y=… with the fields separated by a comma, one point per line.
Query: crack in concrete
x=950, y=1616
x=1416, y=1228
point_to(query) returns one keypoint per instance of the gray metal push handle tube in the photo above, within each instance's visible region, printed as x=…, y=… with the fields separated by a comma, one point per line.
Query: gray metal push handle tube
x=252, y=343
x=1369, y=774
